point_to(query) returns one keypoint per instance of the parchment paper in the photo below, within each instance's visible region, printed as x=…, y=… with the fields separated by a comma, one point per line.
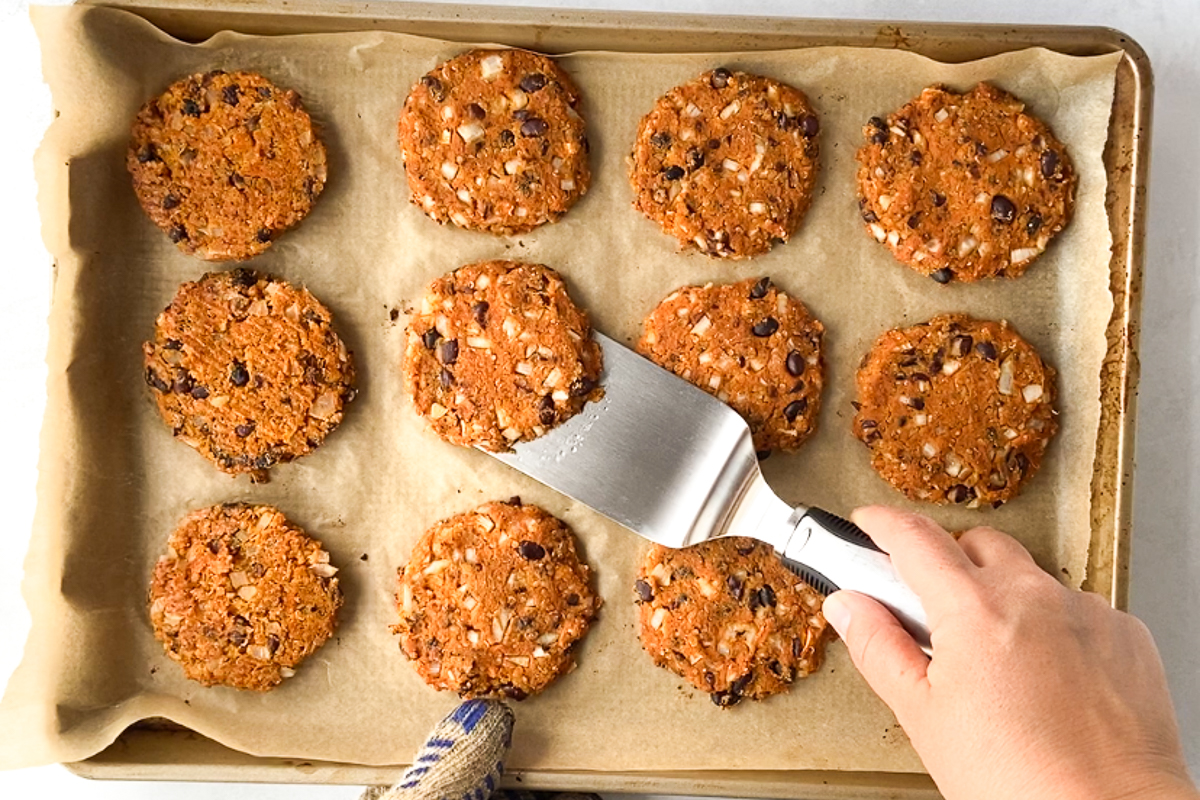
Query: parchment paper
x=114, y=482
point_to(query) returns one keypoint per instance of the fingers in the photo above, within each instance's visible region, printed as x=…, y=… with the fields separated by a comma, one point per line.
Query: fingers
x=882, y=650
x=925, y=556
x=988, y=547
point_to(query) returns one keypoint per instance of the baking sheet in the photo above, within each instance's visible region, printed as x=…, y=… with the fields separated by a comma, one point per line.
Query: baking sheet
x=120, y=482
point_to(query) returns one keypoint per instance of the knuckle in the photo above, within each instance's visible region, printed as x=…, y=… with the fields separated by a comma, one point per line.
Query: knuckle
x=994, y=542
x=1038, y=581
x=1138, y=634
x=900, y=521
x=983, y=535
x=912, y=523
x=1140, y=628
x=1039, y=592
x=1096, y=605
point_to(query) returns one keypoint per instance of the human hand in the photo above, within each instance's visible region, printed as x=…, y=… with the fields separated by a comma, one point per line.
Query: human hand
x=1033, y=691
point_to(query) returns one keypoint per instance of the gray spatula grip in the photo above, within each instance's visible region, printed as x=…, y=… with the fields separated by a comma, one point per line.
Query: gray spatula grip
x=832, y=553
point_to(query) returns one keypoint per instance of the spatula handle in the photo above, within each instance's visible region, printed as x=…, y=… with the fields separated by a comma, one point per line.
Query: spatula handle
x=832, y=553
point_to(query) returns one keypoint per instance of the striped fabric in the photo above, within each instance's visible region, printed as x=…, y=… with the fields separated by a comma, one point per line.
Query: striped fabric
x=462, y=759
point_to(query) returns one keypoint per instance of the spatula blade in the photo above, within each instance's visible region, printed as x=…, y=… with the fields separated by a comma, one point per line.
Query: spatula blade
x=656, y=455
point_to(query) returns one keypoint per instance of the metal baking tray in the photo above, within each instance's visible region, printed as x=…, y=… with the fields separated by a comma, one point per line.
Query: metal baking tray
x=159, y=750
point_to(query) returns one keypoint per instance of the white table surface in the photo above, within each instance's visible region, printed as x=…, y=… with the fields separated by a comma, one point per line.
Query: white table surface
x=1166, y=537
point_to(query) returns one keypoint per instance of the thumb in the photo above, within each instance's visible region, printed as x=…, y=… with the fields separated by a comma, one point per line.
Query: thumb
x=889, y=659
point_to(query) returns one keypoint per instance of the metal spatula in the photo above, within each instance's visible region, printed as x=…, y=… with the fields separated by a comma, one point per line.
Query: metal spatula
x=677, y=466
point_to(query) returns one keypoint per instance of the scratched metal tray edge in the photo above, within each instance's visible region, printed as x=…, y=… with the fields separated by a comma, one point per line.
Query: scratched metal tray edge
x=159, y=750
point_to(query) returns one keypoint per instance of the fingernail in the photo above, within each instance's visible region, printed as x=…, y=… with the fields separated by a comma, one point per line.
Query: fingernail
x=837, y=612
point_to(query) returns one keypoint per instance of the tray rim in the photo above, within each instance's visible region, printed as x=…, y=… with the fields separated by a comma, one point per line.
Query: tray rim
x=208, y=761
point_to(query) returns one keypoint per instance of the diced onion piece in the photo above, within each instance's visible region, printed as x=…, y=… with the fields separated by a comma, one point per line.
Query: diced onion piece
x=470, y=131
x=491, y=66
x=1023, y=254
x=954, y=467
x=324, y=570
x=1007, y=373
